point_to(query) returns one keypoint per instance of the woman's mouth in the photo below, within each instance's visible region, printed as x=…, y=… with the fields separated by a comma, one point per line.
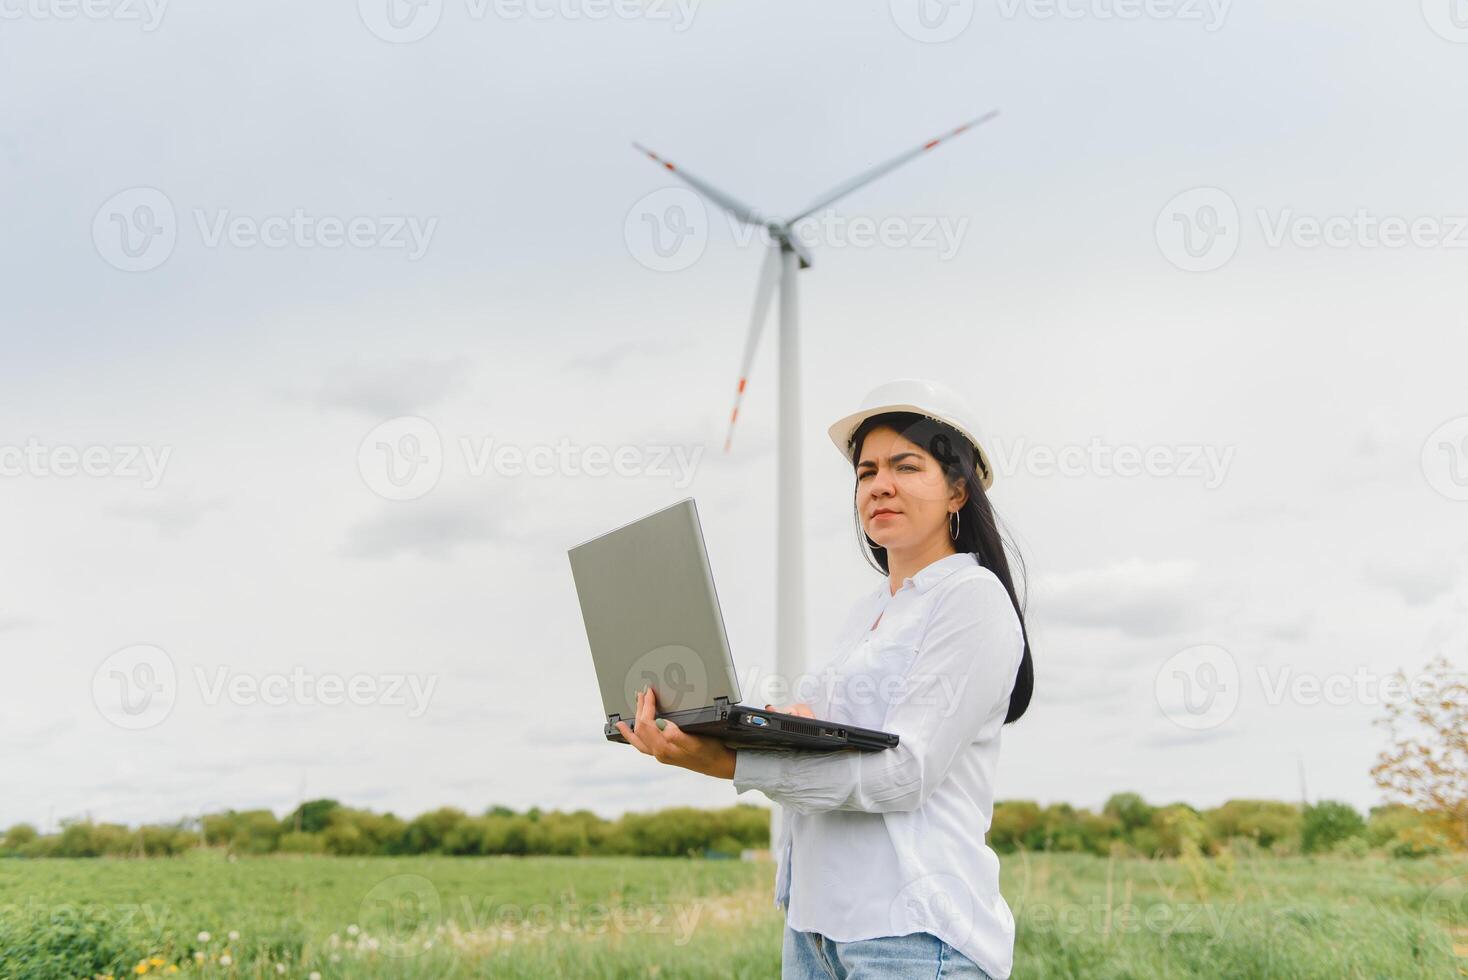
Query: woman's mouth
x=883, y=513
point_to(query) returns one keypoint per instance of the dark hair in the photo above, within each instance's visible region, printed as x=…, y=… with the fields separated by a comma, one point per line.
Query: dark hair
x=978, y=533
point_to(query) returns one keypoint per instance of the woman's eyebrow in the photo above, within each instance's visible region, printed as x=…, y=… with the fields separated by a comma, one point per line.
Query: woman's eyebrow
x=891, y=459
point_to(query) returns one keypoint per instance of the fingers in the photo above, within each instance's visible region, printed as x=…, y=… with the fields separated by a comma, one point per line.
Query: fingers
x=647, y=728
x=632, y=738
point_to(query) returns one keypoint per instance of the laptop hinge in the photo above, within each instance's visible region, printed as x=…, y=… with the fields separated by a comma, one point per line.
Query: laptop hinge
x=722, y=703
x=613, y=718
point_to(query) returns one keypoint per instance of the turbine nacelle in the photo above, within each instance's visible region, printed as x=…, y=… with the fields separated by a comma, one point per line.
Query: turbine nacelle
x=784, y=236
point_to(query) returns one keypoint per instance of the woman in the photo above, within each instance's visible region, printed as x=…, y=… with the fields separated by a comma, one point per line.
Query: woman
x=882, y=866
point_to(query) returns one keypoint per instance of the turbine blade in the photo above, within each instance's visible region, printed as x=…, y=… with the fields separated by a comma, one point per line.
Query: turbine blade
x=861, y=180
x=728, y=202
x=764, y=293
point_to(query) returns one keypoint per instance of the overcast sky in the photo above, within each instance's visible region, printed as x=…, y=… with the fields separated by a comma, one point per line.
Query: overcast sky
x=246, y=247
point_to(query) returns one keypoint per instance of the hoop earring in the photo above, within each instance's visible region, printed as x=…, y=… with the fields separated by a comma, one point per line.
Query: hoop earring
x=954, y=525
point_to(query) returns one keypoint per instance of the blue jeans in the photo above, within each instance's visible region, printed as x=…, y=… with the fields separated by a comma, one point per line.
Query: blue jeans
x=919, y=956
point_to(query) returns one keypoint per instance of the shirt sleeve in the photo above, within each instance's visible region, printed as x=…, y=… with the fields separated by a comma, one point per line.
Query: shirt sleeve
x=967, y=658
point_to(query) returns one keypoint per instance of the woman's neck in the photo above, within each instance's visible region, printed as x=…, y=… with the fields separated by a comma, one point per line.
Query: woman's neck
x=905, y=564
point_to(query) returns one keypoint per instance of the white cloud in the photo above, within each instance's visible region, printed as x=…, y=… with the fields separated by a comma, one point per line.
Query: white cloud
x=1416, y=579
x=389, y=388
x=430, y=528
x=1134, y=597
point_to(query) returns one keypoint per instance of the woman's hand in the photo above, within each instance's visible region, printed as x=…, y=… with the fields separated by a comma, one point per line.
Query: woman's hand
x=802, y=709
x=672, y=746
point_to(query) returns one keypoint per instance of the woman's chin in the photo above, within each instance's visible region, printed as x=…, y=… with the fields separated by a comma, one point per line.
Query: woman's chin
x=885, y=540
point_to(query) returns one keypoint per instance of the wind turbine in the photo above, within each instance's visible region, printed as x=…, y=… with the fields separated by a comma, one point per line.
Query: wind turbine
x=787, y=255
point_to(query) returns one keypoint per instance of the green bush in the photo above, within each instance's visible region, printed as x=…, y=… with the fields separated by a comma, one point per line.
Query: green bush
x=1327, y=823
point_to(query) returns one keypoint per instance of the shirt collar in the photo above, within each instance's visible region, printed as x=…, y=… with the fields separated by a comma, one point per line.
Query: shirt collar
x=934, y=573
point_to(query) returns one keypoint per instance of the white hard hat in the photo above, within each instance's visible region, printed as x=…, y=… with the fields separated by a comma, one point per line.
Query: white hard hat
x=930, y=398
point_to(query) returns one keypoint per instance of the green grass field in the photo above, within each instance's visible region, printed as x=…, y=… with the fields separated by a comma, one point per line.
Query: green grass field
x=1078, y=916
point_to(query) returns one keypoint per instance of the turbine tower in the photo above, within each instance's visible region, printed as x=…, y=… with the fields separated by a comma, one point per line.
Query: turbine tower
x=785, y=256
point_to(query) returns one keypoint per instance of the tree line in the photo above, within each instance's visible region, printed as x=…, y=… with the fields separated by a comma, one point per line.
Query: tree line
x=1126, y=824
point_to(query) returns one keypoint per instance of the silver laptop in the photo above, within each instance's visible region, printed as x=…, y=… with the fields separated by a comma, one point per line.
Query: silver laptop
x=652, y=618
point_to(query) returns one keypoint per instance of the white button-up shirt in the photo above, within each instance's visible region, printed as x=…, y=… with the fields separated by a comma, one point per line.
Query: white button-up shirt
x=892, y=842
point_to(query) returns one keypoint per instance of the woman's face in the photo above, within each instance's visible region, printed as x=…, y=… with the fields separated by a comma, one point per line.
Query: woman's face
x=900, y=478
